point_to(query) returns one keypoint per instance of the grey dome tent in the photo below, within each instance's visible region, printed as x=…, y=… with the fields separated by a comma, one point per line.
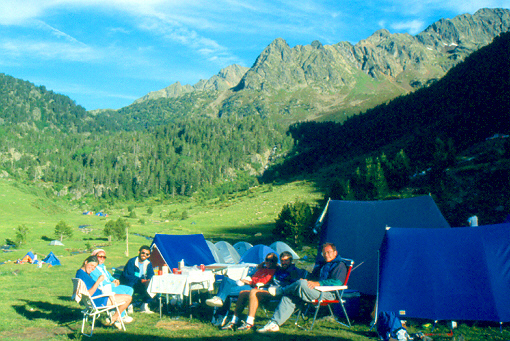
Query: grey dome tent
x=242, y=247
x=218, y=258
x=228, y=252
x=279, y=247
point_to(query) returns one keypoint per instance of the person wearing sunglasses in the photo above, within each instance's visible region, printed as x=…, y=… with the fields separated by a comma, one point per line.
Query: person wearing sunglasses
x=229, y=287
x=137, y=274
x=109, y=281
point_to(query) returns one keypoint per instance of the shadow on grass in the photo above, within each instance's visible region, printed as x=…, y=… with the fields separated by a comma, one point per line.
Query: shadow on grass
x=34, y=310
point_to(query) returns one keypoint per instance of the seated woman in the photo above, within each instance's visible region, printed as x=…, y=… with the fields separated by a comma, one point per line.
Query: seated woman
x=109, y=280
x=84, y=272
x=229, y=287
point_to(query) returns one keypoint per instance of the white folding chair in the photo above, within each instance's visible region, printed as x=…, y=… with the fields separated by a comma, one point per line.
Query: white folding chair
x=82, y=296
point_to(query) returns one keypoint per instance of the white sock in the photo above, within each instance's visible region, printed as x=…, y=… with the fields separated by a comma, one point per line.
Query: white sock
x=235, y=319
x=250, y=320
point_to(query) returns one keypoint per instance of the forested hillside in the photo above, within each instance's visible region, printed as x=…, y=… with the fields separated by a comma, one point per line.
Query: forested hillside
x=206, y=155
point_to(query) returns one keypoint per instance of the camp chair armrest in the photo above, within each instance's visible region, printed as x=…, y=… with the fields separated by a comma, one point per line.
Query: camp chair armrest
x=112, y=294
x=326, y=288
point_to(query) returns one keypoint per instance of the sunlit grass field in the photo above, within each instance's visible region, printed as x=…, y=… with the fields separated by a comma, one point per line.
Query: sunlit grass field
x=35, y=303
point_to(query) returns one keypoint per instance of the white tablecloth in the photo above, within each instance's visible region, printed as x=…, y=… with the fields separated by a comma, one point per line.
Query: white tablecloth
x=181, y=284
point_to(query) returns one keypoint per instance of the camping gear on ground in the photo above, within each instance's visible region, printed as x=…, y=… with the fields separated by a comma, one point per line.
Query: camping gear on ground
x=56, y=242
x=389, y=327
x=446, y=274
x=257, y=254
x=242, y=247
x=279, y=247
x=230, y=255
x=51, y=259
x=357, y=229
x=170, y=249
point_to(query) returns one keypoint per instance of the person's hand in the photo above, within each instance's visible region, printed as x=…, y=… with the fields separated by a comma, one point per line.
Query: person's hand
x=116, y=282
x=100, y=278
x=312, y=284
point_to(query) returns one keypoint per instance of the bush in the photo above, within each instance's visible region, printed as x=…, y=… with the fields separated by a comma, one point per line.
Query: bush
x=294, y=223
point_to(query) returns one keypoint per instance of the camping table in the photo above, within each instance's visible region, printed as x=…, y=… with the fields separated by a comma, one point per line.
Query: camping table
x=182, y=284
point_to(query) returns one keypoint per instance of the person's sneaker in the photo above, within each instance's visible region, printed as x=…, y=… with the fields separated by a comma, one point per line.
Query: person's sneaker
x=275, y=290
x=229, y=326
x=117, y=325
x=127, y=319
x=130, y=309
x=245, y=326
x=219, y=321
x=214, y=302
x=272, y=326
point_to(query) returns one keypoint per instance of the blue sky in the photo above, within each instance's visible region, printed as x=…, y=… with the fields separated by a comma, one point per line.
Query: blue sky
x=107, y=53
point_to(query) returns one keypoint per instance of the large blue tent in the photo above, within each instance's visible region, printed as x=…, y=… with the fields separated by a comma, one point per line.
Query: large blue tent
x=171, y=248
x=357, y=229
x=446, y=274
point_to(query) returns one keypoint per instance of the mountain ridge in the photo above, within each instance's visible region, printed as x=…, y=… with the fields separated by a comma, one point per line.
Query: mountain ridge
x=395, y=64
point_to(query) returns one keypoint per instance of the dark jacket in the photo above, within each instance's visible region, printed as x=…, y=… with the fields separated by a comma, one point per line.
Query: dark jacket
x=331, y=273
x=290, y=275
x=130, y=276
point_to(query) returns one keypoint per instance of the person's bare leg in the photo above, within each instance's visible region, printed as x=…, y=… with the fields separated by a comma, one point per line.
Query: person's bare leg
x=256, y=297
x=242, y=301
x=121, y=298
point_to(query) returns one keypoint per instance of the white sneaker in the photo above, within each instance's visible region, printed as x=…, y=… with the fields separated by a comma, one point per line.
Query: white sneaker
x=214, y=302
x=127, y=319
x=275, y=290
x=130, y=309
x=272, y=326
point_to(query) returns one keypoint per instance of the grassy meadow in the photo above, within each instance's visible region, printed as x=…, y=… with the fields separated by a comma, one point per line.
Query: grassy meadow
x=35, y=302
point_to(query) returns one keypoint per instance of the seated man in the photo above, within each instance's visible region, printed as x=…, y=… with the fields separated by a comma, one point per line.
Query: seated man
x=137, y=274
x=228, y=287
x=331, y=271
x=284, y=275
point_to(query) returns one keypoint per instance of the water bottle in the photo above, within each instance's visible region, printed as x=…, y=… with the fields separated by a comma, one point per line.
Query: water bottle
x=181, y=264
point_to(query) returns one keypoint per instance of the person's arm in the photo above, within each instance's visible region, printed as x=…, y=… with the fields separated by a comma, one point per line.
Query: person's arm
x=93, y=289
x=128, y=275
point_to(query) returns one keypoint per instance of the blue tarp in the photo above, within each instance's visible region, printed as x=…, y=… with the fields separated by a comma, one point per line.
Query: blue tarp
x=51, y=259
x=446, y=274
x=357, y=229
x=257, y=254
x=172, y=248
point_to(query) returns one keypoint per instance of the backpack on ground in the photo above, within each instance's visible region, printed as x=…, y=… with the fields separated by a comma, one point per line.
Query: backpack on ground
x=389, y=327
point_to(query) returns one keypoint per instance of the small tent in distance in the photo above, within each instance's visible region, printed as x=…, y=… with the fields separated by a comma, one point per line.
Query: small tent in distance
x=56, y=242
x=446, y=274
x=51, y=259
x=357, y=230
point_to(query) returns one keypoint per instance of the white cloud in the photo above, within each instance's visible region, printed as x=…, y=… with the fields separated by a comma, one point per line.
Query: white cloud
x=412, y=27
